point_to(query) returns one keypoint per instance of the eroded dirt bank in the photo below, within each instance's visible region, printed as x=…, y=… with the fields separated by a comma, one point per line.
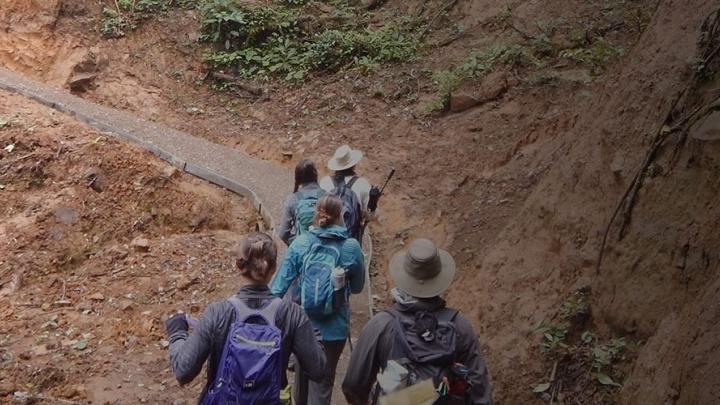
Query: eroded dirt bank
x=99, y=241
x=519, y=188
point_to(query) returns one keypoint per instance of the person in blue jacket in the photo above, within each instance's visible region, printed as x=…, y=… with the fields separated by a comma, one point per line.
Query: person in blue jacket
x=328, y=230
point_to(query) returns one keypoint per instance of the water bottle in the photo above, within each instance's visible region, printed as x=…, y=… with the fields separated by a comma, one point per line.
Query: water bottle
x=339, y=291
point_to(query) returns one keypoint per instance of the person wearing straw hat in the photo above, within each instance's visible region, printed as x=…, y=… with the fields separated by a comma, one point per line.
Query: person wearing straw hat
x=414, y=333
x=343, y=165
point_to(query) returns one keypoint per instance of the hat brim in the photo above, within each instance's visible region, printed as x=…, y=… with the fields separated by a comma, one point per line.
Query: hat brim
x=355, y=157
x=426, y=288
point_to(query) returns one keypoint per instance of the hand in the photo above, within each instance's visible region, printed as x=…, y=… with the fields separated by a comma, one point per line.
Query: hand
x=176, y=323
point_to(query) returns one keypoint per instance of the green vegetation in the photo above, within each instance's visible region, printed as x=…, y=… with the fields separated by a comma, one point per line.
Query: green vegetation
x=596, y=56
x=286, y=40
x=569, y=349
x=123, y=16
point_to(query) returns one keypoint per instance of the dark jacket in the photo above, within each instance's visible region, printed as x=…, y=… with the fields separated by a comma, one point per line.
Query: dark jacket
x=375, y=347
x=334, y=327
x=189, y=352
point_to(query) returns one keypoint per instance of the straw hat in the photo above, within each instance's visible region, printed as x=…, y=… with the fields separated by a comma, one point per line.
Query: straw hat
x=422, y=270
x=344, y=158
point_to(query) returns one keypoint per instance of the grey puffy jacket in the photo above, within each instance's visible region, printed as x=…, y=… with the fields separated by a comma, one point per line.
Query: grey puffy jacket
x=188, y=352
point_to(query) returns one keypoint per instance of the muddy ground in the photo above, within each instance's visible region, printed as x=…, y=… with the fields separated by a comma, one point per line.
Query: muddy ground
x=519, y=188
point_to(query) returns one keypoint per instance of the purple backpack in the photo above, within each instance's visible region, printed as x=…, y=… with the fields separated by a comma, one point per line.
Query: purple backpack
x=249, y=372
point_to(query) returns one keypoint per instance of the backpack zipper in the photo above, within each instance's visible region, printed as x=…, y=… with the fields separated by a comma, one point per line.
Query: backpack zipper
x=254, y=342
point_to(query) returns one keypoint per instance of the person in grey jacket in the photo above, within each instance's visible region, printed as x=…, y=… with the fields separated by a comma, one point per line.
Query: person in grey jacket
x=421, y=274
x=306, y=185
x=255, y=260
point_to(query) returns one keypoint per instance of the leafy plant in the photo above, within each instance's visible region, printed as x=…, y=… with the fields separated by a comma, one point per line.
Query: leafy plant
x=597, y=56
x=554, y=335
x=278, y=40
x=114, y=24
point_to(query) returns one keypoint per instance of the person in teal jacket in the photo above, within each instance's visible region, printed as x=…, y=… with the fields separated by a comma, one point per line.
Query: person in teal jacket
x=328, y=229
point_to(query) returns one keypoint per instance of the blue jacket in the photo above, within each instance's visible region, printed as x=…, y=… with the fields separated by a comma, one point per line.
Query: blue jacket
x=334, y=327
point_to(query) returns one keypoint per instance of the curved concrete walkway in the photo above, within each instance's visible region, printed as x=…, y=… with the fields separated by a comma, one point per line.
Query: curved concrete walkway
x=264, y=183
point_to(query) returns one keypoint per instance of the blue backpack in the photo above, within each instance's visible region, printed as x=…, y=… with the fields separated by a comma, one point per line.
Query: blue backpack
x=305, y=210
x=351, y=210
x=316, y=289
x=250, y=367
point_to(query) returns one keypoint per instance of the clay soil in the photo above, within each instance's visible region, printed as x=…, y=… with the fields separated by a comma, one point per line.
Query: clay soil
x=518, y=188
x=100, y=241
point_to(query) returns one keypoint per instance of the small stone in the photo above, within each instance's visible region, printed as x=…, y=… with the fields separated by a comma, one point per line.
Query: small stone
x=117, y=252
x=462, y=102
x=97, y=297
x=40, y=350
x=66, y=215
x=45, y=306
x=126, y=305
x=140, y=244
x=171, y=172
x=184, y=283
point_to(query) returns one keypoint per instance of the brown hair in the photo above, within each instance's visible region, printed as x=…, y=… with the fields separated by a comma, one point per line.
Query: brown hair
x=305, y=173
x=256, y=256
x=328, y=211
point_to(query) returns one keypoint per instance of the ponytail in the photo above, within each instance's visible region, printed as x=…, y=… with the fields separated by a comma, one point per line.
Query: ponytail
x=256, y=256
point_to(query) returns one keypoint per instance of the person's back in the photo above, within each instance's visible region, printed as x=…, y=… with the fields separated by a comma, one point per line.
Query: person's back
x=188, y=352
x=299, y=207
x=343, y=165
x=312, y=259
x=436, y=328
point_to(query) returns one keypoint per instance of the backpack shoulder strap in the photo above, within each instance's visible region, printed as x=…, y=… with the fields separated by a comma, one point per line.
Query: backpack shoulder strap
x=352, y=181
x=241, y=310
x=269, y=311
x=446, y=315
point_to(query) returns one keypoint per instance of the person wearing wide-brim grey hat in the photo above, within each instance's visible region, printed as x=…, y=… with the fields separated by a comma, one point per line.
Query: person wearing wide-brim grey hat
x=422, y=270
x=343, y=164
x=421, y=273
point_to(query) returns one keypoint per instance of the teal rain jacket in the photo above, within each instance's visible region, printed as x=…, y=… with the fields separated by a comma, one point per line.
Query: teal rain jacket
x=335, y=326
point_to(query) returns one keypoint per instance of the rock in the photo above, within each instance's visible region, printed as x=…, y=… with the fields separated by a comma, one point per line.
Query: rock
x=66, y=215
x=96, y=297
x=462, y=102
x=81, y=82
x=171, y=172
x=117, y=252
x=140, y=244
x=6, y=388
x=493, y=86
x=40, y=350
x=185, y=282
x=95, y=178
x=97, y=183
x=126, y=305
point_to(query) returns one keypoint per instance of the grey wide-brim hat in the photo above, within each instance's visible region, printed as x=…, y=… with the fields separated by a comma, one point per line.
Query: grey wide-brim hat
x=422, y=270
x=344, y=158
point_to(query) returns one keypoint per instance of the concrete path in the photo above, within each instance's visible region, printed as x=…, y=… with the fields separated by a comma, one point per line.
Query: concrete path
x=264, y=183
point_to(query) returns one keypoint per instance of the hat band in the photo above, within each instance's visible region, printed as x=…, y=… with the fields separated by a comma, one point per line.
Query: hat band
x=422, y=270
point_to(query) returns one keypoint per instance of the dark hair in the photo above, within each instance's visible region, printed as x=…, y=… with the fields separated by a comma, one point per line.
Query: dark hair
x=256, y=256
x=328, y=211
x=305, y=172
x=341, y=174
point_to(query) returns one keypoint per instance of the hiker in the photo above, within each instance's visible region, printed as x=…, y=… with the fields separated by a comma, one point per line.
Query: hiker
x=352, y=189
x=254, y=315
x=299, y=208
x=328, y=266
x=418, y=319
